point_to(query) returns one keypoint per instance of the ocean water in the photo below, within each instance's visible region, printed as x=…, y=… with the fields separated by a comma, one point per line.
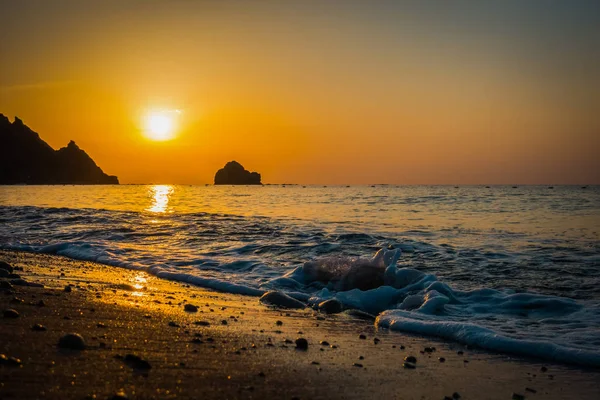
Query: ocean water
x=509, y=269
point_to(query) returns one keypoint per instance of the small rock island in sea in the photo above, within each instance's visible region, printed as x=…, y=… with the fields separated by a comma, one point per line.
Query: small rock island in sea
x=234, y=174
x=26, y=159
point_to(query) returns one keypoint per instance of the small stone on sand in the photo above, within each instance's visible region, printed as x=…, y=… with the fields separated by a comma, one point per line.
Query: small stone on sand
x=6, y=266
x=331, y=306
x=410, y=359
x=120, y=395
x=38, y=328
x=190, y=308
x=301, y=344
x=72, y=341
x=10, y=313
x=9, y=361
x=280, y=299
x=136, y=362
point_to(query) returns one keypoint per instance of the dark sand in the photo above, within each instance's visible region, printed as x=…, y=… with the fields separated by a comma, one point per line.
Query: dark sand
x=248, y=357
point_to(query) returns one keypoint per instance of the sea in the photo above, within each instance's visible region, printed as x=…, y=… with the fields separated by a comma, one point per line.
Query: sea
x=511, y=269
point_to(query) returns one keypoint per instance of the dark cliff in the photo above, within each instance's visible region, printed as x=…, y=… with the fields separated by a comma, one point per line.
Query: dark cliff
x=234, y=174
x=26, y=159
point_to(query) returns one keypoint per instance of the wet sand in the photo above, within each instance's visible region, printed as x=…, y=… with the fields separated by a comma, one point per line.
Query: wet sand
x=140, y=342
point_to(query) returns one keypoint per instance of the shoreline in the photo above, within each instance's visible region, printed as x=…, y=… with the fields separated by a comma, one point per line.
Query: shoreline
x=232, y=347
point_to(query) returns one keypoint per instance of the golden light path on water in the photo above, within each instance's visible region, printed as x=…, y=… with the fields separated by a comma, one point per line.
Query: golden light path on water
x=160, y=195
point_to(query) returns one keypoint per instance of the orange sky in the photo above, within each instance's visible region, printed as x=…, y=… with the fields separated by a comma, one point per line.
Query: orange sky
x=391, y=92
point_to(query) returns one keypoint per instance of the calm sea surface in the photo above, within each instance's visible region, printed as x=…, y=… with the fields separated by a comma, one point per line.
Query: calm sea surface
x=480, y=248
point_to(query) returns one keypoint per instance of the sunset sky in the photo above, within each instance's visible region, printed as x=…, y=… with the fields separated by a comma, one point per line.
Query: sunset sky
x=408, y=92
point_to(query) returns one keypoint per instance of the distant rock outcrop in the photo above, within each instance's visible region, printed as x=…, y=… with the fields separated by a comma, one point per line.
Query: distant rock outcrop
x=234, y=174
x=26, y=159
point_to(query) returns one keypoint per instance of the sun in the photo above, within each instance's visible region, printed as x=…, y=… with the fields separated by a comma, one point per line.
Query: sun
x=160, y=126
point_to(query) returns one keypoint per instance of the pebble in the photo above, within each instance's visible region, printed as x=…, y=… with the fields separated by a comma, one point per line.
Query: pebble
x=202, y=323
x=38, y=328
x=362, y=337
x=281, y=300
x=120, y=395
x=358, y=365
x=442, y=359
x=68, y=289
x=279, y=323
x=301, y=344
x=173, y=324
x=10, y=313
x=409, y=365
x=517, y=396
x=456, y=395
x=410, y=359
x=190, y=308
x=544, y=369
x=324, y=343
x=72, y=341
x=4, y=285
x=9, y=361
x=136, y=362
x=530, y=390
x=6, y=266
x=331, y=306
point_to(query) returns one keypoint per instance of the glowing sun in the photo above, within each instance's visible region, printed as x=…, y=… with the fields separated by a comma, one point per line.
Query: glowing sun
x=160, y=126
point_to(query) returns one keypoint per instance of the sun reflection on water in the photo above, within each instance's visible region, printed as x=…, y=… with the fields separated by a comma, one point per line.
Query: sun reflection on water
x=160, y=195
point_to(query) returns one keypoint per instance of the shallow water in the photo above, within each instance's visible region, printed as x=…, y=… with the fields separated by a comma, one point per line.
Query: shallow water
x=510, y=269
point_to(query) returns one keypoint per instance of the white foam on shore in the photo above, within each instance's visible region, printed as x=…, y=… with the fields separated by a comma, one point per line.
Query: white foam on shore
x=408, y=300
x=474, y=335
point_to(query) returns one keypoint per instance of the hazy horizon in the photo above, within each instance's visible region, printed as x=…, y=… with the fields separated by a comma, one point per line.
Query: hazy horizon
x=341, y=93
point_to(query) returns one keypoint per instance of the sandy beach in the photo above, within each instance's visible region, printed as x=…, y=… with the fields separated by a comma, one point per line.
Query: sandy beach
x=140, y=342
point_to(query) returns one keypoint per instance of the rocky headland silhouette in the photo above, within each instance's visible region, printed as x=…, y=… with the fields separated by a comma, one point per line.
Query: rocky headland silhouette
x=235, y=174
x=26, y=159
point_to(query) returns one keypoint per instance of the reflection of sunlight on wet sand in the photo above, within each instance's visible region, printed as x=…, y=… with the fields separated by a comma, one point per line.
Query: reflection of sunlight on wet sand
x=138, y=283
x=160, y=198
